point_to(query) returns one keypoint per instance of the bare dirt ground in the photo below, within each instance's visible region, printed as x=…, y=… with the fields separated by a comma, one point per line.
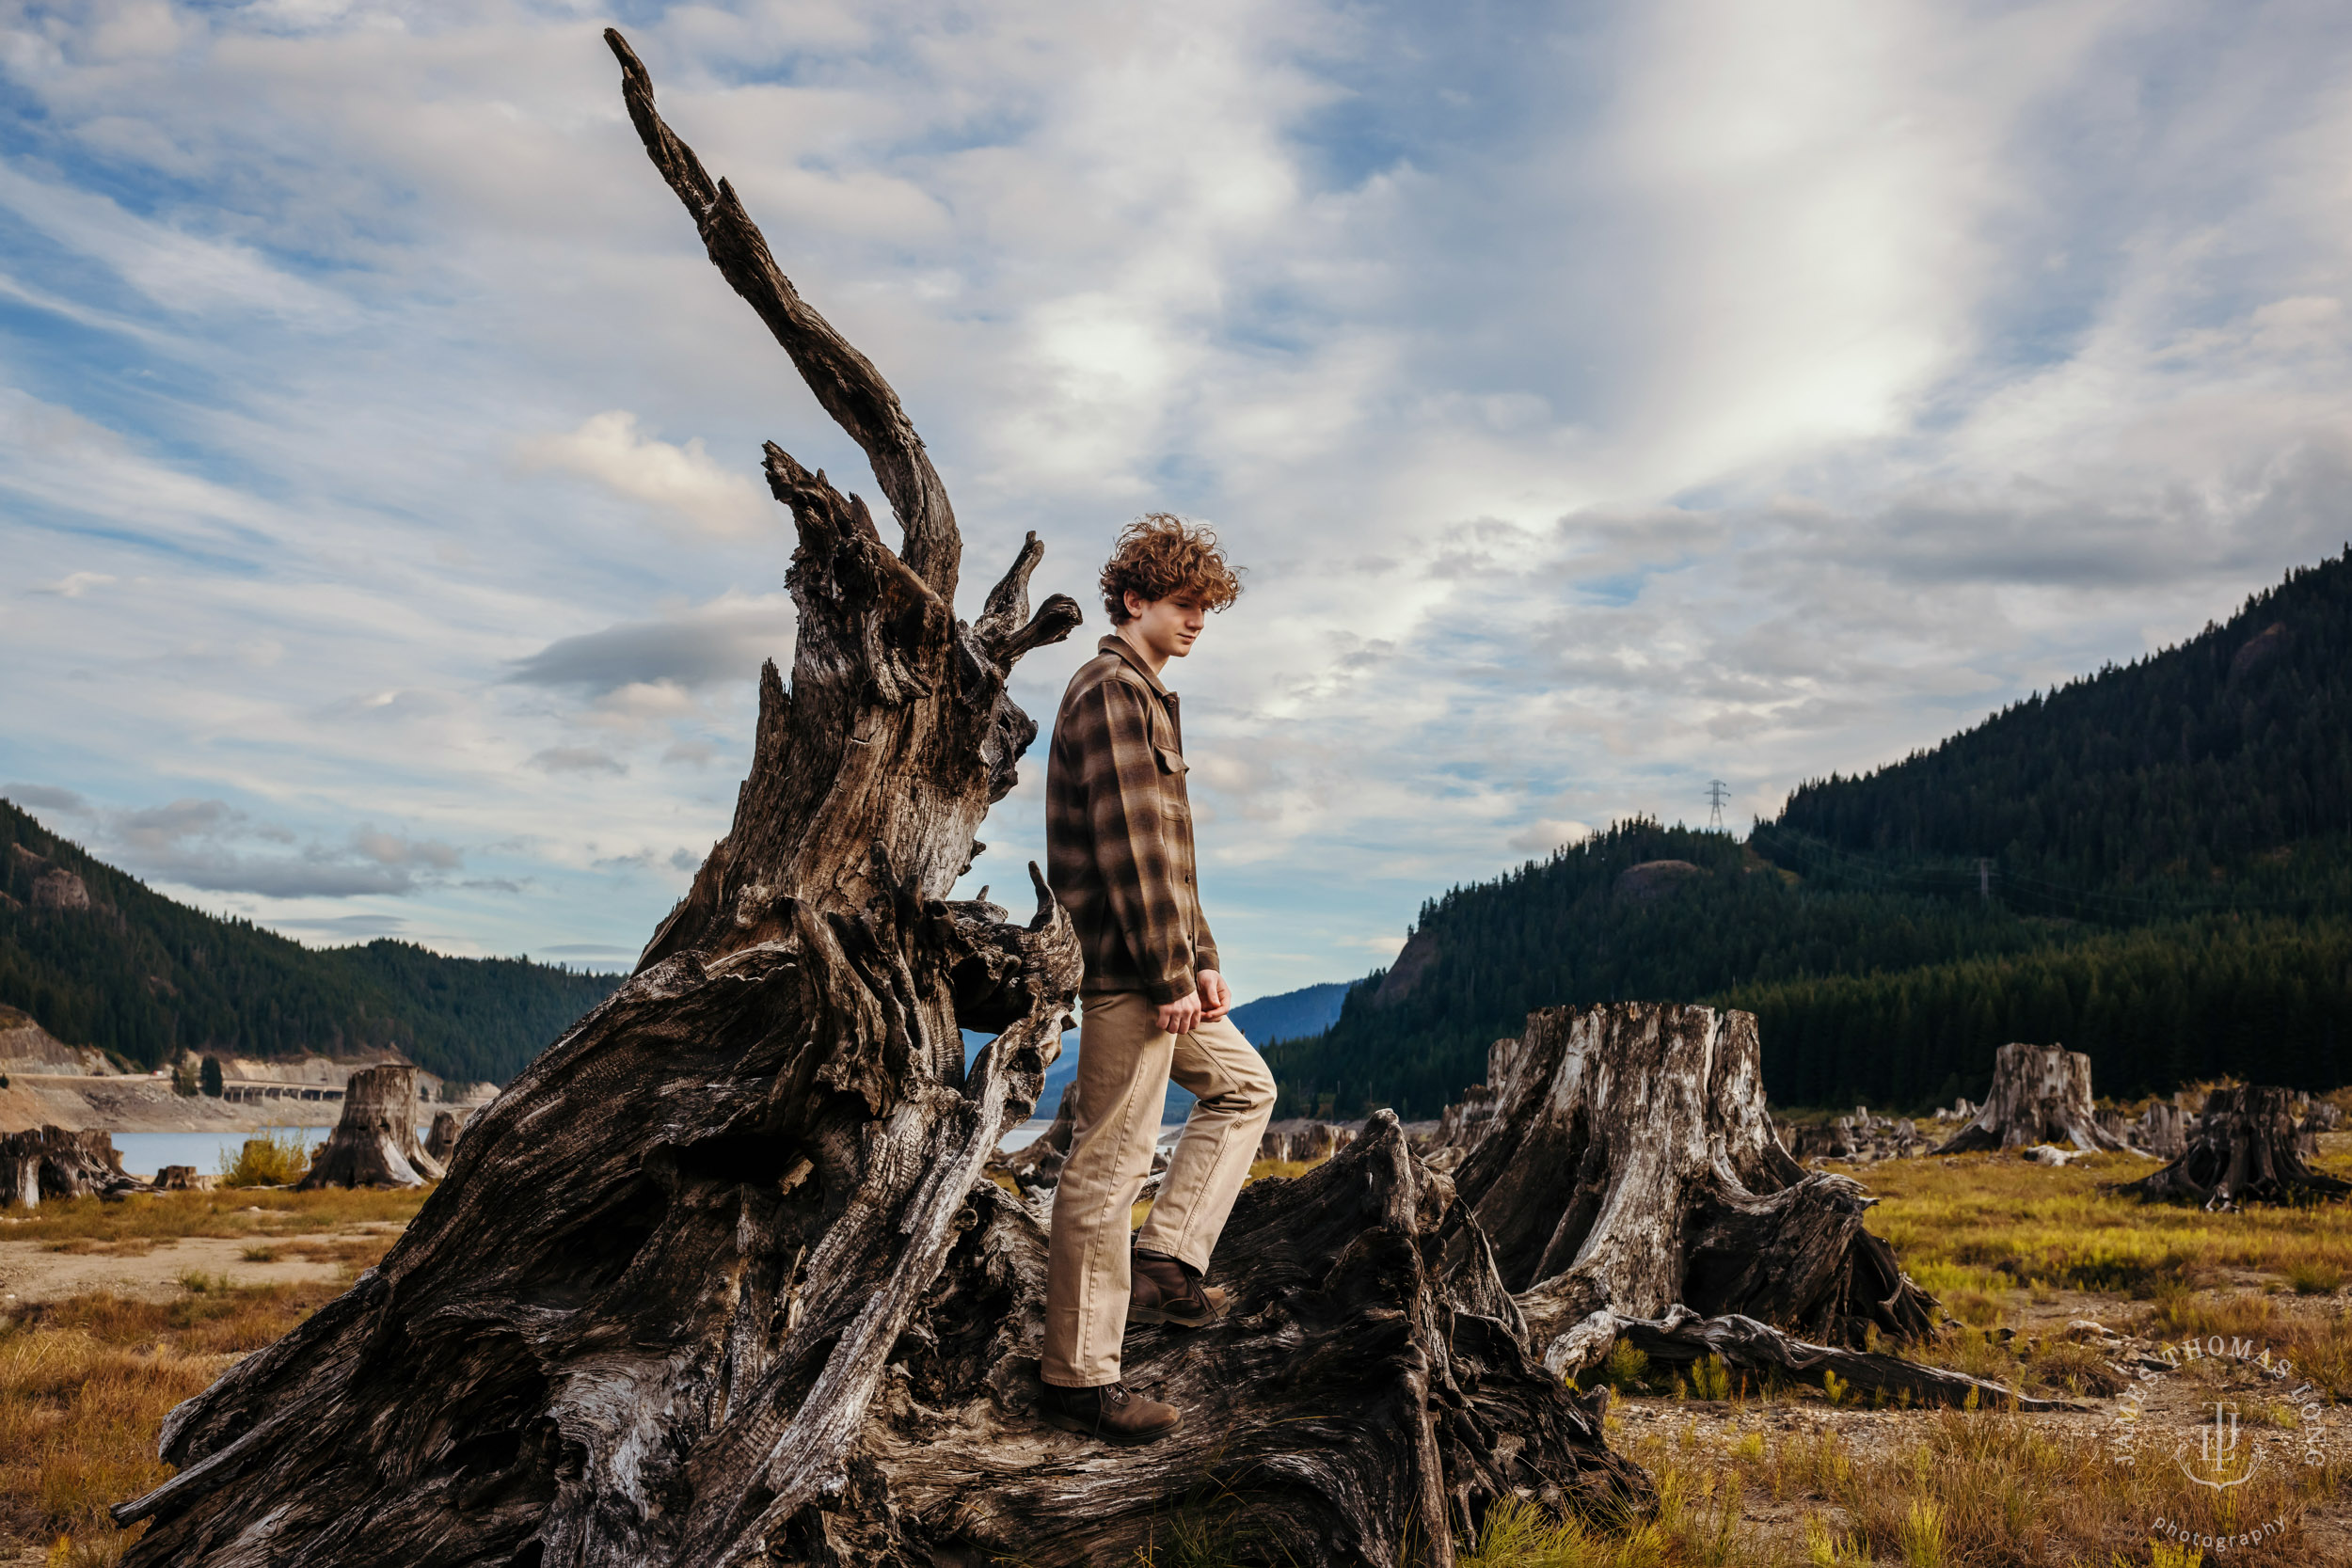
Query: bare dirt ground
x=35, y=1272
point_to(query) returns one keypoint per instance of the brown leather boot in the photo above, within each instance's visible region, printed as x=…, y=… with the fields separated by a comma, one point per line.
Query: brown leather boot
x=1167, y=1290
x=1110, y=1411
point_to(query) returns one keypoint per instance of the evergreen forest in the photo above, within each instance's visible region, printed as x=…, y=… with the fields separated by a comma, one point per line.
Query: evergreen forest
x=2152, y=864
x=143, y=979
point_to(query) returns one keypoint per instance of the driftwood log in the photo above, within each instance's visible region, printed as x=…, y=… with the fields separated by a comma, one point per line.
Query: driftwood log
x=2244, y=1148
x=54, y=1163
x=719, y=1280
x=1630, y=1183
x=1683, y=1338
x=374, y=1141
x=2040, y=1094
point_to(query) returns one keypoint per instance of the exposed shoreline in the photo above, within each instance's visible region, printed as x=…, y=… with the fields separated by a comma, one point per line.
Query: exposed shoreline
x=121, y=1104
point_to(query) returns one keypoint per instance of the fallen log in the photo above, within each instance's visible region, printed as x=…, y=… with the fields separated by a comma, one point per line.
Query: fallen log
x=2244, y=1148
x=719, y=1280
x=2040, y=1094
x=57, y=1164
x=1682, y=1338
x=374, y=1141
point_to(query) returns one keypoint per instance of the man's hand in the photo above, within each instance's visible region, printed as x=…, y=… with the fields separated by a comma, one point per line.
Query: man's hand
x=1181, y=1016
x=1210, y=999
x=1217, y=995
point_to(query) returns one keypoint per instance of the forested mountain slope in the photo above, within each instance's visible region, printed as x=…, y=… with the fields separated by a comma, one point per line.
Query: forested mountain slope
x=2189, y=763
x=100, y=959
x=2153, y=865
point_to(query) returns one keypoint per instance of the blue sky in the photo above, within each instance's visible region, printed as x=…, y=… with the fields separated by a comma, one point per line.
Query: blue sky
x=1602, y=399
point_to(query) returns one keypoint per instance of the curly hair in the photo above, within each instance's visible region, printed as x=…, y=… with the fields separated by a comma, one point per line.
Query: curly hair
x=1160, y=556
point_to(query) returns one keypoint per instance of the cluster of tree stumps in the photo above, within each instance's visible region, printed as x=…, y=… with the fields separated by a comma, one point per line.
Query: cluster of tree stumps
x=55, y=1164
x=2247, y=1147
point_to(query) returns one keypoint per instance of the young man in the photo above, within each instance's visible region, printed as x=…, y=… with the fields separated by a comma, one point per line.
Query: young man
x=1120, y=857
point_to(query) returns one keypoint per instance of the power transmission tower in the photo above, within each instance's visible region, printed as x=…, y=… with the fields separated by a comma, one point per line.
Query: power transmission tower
x=1717, y=793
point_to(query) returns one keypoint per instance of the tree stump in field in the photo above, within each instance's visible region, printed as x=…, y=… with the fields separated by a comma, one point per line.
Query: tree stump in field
x=374, y=1142
x=2242, y=1149
x=2162, y=1130
x=719, y=1280
x=440, y=1142
x=2040, y=1094
x=1303, y=1140
x=53, y=1163
x=1630, y=1183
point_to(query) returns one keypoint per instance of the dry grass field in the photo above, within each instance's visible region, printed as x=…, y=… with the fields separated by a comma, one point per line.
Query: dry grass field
x=86, y=1379
x=1748, y=1477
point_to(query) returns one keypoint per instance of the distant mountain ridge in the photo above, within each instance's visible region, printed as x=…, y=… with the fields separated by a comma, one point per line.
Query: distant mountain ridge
x=100, y=959
x=2153, y=864
x=1307, y=1010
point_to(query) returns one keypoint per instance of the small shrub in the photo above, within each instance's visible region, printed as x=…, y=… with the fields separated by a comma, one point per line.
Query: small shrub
x=1825, y=1550
x=1833, y=1388
x=1923, y=1534
x=279, y=1158
x=1623, y=1369
x=2315, y=1276
x=260, y=1254
x=1710, y=1379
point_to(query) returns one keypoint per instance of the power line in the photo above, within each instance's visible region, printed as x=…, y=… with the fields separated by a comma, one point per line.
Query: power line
x=1717, y=793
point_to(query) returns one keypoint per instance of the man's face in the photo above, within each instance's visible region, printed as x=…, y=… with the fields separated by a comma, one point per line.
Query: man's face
x=1166, y=627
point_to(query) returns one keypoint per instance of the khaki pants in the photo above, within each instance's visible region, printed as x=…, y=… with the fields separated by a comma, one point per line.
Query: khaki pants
x=1126, y=1060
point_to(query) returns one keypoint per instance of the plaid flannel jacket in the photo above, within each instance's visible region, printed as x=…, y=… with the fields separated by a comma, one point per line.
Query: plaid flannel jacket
x=1119, y=829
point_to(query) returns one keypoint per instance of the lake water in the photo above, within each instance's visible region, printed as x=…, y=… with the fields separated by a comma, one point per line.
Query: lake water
x=145, y=1153
x=1027, y=1132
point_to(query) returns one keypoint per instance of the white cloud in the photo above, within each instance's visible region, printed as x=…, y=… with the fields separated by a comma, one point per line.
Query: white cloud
x=682, y=485
x=74, y=584
x=1605, y=403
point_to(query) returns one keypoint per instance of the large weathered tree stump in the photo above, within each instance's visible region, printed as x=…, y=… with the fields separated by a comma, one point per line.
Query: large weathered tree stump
x=2041, y=1095
x=719, y=1280
x=374, y=1141
x=1628, y=1178
x=53, y=1163
x=2242, y=1149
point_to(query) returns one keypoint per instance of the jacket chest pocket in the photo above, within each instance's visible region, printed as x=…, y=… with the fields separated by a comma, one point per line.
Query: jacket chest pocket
x=1171, y=760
